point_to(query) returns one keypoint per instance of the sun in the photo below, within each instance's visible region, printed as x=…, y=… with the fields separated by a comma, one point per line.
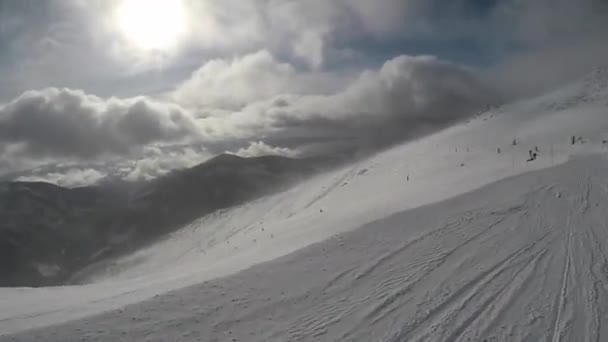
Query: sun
x=152, y=24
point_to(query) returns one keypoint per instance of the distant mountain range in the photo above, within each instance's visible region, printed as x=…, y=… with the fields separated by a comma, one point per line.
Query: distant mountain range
x=49, y=233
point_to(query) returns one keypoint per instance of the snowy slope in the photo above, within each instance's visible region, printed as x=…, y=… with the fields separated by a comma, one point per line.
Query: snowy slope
x=343, y=200
x=524, y=259
x=452, y=162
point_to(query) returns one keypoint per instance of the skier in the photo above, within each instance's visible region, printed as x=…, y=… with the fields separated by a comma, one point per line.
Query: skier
x=531, y=158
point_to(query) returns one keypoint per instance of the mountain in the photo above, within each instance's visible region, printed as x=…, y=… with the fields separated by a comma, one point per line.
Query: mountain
x=48, y=233
x=221, y=182
x=456, y=236
x=46, y=230
x=454, y=161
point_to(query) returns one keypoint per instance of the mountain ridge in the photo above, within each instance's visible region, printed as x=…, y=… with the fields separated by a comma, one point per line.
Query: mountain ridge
x=48, y=232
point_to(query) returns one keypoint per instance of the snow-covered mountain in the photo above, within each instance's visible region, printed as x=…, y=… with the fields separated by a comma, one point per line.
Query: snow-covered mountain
x=47, y=230
x=49, y=233
x=456, y=236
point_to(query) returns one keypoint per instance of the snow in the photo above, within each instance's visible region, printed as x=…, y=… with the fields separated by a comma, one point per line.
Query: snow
x=509, y=262
x=521, y=259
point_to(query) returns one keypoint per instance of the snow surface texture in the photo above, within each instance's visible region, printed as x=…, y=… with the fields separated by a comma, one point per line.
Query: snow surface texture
x=521, y=259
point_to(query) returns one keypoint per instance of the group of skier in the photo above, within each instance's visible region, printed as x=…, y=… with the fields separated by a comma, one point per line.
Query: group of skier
x=533, y=154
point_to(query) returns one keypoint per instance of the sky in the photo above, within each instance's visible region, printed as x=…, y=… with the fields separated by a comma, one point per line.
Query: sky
x=131, y=89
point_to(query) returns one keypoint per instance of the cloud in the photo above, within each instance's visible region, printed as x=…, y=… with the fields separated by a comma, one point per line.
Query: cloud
x=157, y=162
x=272, y=76
x=558, y=41
x=149, y=163
x=280, y=109
x=69, y=123
x=86, y=36
x=303, y=30
x=406, y=90
x=71, y=178
x=76, y=43
x=405, y=96
x=258, y=149
x=233, y=84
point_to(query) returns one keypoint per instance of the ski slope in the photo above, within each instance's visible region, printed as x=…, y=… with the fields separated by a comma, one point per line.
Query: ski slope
x=524, y=259
x=521, y=259
x=444, y=165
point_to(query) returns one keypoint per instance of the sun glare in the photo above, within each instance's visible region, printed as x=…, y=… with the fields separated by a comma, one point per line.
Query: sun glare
x=152, y=24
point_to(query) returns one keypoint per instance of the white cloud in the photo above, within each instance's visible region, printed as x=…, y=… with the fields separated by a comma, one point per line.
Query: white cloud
x=265, y=71
x=233, y=84
x=405, y=95
x=304, y=30
x=70, y=123
x=79, y=46
x=225, y=103
x=258, y=149
x=157, y=162
x=150, y=163
x=71, y=178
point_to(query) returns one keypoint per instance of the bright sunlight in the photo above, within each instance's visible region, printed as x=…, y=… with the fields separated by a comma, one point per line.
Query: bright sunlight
x=152, y=24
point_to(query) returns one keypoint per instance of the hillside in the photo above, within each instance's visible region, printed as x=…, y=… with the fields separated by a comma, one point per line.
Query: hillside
x=454, y=161
x=521, y=259
x=456, y=236
x=49, y=233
